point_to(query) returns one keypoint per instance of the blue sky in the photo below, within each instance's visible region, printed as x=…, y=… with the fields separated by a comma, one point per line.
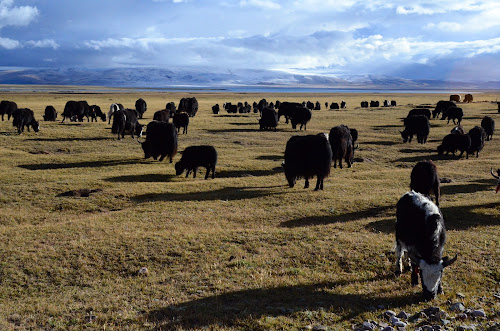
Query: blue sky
x=440, y=39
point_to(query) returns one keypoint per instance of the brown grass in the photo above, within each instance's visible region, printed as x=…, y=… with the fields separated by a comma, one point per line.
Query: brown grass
x=242, y=251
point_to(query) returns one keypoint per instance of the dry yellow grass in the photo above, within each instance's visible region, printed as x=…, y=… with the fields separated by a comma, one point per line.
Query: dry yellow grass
x=242, y=251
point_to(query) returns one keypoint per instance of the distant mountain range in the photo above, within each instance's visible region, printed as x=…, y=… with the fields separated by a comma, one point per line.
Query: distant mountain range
x=196, y=78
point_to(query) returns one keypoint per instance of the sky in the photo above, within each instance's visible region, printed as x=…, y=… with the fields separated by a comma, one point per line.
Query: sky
x=420, y=39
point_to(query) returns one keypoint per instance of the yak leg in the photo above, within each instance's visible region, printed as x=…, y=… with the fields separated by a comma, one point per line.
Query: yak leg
x=399, y=259
x=319, y=183
x=213, y=172
x=208, y=172
x=195, y=170
x=414, y=274
x=307, y=182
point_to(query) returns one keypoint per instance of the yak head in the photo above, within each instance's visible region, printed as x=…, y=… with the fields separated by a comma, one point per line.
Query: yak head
x=431, y=275
x=289, y=177
x=145, y=148
x=497, y=176
x=179, y=168
x=404, y=135
x=36, y=126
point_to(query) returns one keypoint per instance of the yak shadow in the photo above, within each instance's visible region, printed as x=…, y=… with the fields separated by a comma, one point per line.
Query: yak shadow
x=476, y=186
x=433, y=157
x=86, y=164
x=236, y=130
x=73, y=139
x=270, y=157
x=422, y=150
x=383, y=143
x=145, y=178
x=232, y=115
x=228, y=308
x=226, y=193
x=342, y=218
x=386, y=225
x=388, y=126
x=246, y=123
x=248, y=173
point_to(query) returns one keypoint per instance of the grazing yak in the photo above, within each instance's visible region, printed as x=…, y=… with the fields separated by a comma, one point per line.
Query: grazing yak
x=374, y=103
x=286, y=109
x=364, y=104
x=95, y=112
x=269, y=119
x=453, y=113
x=488, y=124
x=453, y=142
x=141, y=107
x=497, y=176
x=424, y=179
x=455, y=97
x=126, y=121
x=189, y=106
x=7, y=108
x=181, y=120
x=113, y=109
x=50, y=114
x=334, y=105
x=341, y=143
x=468, y=98
x=420, y=111
x=416, y=125
x=307, y=156
x=393, y=103
x=300, y=115
x=477, y=138
x=24, y=117
x=420, y=232
x=343, y=104
x=216, y=108
x=161, y=140
x=386, y=103
x=162, y=115
x=197, y=156
x=230, y=108
x=76, y=111
x=441, y=106
x=318, y=106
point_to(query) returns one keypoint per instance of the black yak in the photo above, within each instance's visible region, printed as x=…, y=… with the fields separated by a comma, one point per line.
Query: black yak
x=161, y=140
x=307, y=156
x=197, y=156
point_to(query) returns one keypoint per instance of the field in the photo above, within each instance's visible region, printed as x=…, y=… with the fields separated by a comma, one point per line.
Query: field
x=243, y=250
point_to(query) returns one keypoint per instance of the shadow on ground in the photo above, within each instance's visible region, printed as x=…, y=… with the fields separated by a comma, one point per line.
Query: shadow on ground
x=231, y=308
x=146, y=178
x=330, y=219
x=226, y=193
x=86, y=164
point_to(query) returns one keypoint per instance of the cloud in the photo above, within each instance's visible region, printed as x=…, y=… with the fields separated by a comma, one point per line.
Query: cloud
x=18, y=16
x=45, y=43
x=9, y=43
x=264, y=4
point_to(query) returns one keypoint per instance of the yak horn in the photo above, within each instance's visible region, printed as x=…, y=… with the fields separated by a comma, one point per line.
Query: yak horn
x=447, y=262
x=357, y=146
x=496, y=176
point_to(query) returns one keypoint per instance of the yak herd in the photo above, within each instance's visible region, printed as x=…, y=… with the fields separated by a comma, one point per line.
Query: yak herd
x=420, y=228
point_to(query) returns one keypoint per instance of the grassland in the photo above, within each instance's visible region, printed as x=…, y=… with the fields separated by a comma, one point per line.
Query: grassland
x=242, y=251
